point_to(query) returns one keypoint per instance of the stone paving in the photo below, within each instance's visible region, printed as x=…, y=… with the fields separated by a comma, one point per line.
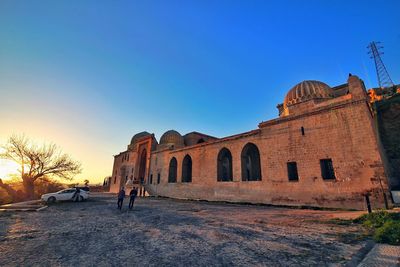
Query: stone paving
x=382, y=256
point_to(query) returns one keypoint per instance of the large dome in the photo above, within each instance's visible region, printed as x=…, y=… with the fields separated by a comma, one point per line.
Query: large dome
x=307, y=90
x=172, y=137
x=137, y=136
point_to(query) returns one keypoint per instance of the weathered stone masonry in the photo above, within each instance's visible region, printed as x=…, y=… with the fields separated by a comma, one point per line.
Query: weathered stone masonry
x=321, y=131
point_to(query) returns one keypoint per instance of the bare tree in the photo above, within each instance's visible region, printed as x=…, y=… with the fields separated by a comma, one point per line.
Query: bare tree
x=37, y=162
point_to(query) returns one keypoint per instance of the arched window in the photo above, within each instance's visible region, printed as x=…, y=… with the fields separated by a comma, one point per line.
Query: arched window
x=173, y=165
x=251, y=167
x=224, y=166
x=187, y=169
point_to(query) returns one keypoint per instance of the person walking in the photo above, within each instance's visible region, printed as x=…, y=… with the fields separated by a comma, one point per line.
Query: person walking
x=77, y=195
x=121, y=196
x=132, y=195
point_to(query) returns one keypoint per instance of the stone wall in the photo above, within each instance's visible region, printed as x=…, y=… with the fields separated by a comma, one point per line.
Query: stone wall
x=127, y=164
x=343, y=133
x=121, y=161
x=388, y=123
x=340, y=128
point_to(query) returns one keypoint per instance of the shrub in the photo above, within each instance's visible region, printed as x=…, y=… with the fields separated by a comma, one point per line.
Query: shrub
x=383, y=226
x=44, y=186
x=389, y=233
x=4, y=197
x=375, y=219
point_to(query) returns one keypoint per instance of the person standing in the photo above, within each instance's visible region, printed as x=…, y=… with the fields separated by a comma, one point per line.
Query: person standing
x=132, y=196
x=121, y=196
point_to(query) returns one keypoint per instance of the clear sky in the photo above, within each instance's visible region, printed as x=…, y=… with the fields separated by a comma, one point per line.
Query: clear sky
x=87, y=75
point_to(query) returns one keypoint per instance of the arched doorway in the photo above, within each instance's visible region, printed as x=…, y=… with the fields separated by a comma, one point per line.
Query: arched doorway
x=187, y=169
x=142, y=166
x=224, y=166
x=123, y=175
x=251, y=167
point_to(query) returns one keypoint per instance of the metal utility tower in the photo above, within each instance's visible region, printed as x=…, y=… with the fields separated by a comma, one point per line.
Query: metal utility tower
x=383, y=76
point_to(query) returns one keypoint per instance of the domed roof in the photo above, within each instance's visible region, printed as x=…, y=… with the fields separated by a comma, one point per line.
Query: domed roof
x=172, y=137
x=138, y=136
x=307, y=90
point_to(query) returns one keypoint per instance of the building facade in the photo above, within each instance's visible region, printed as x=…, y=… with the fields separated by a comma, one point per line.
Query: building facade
x=321, y=151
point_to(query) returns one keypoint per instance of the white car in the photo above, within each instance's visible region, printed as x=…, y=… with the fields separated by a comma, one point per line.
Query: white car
x=64, y=195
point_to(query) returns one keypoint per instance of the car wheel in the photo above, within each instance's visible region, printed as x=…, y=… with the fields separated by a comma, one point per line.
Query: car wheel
x=81, y=198
x=51, y=200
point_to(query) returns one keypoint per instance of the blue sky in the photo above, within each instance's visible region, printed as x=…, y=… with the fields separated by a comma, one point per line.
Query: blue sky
x=88, y=75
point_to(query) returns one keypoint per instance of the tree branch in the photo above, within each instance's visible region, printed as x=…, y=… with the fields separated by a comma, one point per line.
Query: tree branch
x=46, y=160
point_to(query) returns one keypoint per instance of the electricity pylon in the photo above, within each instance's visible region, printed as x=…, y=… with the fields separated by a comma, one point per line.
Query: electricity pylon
x=383, y=76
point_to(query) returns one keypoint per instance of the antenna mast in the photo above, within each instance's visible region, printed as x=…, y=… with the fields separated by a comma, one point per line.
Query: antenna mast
x=383, y=76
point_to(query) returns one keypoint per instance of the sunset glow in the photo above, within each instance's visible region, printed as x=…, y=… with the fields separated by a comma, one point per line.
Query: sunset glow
x=7, y=168
x=94, y=77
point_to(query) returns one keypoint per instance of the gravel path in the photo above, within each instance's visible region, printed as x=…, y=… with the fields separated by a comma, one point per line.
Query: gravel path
x=167, y=232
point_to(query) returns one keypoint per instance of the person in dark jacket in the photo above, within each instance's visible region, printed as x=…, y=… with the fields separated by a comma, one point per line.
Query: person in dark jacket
x=77, y=195
x=121, y=196
x=132, y=196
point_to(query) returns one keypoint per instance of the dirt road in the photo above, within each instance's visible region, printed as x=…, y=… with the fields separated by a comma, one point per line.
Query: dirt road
x=167, y=232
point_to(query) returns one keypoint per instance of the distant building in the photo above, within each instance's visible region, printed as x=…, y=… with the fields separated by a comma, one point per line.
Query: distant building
x=321, y=151
x=107, y=183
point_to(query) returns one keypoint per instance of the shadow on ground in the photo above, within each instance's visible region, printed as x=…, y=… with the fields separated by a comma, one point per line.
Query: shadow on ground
x=174, y=233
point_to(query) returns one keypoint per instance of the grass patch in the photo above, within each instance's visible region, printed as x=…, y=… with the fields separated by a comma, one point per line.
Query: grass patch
x=389, y=233
x=383, y=226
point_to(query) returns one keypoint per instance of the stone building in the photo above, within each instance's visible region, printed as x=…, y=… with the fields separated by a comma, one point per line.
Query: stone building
x=321, y=151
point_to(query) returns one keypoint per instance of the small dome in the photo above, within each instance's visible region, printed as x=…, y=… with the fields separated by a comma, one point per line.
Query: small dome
x=307, y=90
x=137, y=136
x=172, y=137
